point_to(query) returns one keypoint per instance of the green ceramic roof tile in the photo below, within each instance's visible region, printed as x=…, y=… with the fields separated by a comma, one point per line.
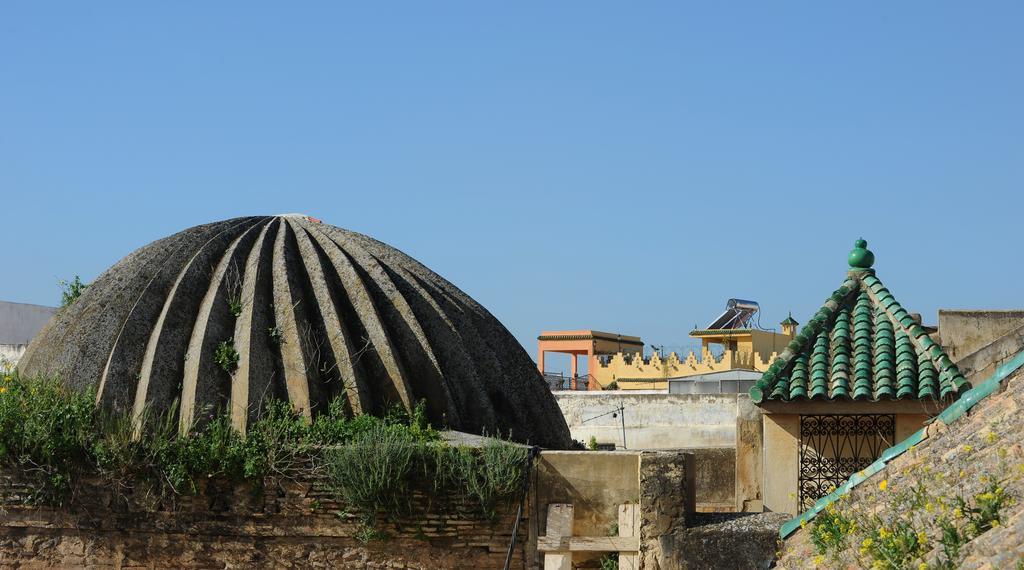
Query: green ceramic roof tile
x=839, y=372
x=884, y=354
x=798, y=382
x=861, y=344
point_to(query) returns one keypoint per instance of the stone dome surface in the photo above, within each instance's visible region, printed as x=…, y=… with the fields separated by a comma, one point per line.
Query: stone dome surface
x=227, y=315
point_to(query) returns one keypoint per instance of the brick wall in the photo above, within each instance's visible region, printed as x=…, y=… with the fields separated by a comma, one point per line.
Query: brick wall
x=291, y=524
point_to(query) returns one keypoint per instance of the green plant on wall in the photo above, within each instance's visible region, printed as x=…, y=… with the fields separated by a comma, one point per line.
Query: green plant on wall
x=226, y=356
x=235, y=306
x=55, y=438
x=70, y=291
x=274, y=336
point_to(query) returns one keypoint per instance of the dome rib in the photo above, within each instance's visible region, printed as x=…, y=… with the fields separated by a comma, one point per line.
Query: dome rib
x=399, y=318
x=378, y=343
x=208, y=332
x=256, y=362
x=286, y=303
x=163, y=363
x=153, y=275
x=312, y=313
x=342, y=351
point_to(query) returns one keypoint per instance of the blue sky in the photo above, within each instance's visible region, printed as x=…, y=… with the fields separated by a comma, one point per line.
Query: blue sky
x=620, y=166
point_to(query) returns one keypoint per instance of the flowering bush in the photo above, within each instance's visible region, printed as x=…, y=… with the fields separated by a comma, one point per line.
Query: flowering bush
x=923, y=523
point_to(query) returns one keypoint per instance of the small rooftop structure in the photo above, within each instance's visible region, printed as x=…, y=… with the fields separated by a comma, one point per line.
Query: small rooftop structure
x=862, y=374
x=589, y=343
x=861, y=345
x=734, y=330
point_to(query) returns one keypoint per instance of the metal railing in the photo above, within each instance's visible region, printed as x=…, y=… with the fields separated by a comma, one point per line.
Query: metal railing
x=558, y=381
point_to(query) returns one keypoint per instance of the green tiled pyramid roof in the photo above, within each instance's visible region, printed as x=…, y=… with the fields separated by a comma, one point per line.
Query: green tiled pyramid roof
x=861, y=345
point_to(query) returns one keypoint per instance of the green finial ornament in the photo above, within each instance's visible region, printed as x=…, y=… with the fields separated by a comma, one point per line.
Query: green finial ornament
x=861, y=257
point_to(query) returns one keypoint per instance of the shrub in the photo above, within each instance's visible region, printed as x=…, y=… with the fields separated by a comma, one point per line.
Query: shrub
x=46, y=432
x=55, y=437
x=372, y=471
x=71, y=290
x=226, y=356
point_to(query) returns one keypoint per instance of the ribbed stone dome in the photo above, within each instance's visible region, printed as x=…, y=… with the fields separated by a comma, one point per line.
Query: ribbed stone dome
x=314, y=313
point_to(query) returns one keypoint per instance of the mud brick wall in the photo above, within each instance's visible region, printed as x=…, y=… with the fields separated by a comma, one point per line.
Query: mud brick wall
x=290, y=524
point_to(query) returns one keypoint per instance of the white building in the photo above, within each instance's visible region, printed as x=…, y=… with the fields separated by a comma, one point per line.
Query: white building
x=19, y=323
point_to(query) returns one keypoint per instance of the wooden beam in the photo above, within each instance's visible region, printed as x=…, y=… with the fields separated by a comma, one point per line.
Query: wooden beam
x=559, y=527
x=588, y=544
x=628, y=527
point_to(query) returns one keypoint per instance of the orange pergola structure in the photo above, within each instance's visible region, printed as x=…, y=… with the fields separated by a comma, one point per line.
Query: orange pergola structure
x=589, y=343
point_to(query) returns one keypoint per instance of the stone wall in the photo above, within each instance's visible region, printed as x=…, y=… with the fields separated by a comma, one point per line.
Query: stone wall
x=722, y=430
x=962, y=332
x=300, y=523
x=666, y=499
x=714, y=479
x=595, y=483
x=294, y=524
x=651, y=419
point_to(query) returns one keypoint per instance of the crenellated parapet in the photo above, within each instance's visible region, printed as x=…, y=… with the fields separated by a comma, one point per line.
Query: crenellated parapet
x=626, y=368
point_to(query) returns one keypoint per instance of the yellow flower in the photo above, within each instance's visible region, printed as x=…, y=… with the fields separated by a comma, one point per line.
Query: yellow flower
x=3, y=389
x=864, y=546
x=803, y=523
x=883, y=533
x=957, y=512
x=922, y=566
x=819, y=560
x=922, y=538
x=992, y=437
x=968, y=448
x=929, y=507
x=884, y=484
x=995, y=524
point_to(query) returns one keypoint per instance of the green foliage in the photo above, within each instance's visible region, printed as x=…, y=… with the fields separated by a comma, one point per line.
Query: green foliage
x=489, y=475
x=235, y=306
x=915, y=522
x=592, y=444
x=70, y=291
x=379, y=467
x=274, y=335
x=55, y=437
x=226, y=356
x=610, y=561
x=372, y=471
x=830, y=531
x=45, y=432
